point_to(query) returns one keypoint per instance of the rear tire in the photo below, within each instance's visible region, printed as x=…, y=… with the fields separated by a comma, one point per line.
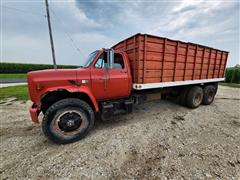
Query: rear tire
x=194, y=97
x=209, y=93
x=183, y=95
x=67, y=121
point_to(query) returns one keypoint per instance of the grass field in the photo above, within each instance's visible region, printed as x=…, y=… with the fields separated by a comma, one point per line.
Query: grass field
x=13, y=76
x=233, y=85
x=19, y=92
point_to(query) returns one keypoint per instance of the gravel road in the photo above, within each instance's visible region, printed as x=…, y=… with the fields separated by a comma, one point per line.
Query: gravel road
x=159, y=139
x=7, y=81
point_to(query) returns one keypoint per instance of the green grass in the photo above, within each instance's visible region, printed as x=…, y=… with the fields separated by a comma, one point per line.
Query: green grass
x=234, y=85
x=13, y=76
x=18, y=92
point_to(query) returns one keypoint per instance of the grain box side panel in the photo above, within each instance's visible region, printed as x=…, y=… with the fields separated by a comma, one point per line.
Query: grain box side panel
x=139, y=59
x=223, y=64
x=158, y=59
x=131, y=47
x=152, y=59
x=169, y=61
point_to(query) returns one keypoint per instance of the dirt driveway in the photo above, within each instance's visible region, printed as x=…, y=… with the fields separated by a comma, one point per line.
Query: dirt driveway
x=159, y=139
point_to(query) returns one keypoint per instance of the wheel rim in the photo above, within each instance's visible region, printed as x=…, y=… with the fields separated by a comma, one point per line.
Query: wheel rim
x=69, y=123
x=210, y=96
x=198, y=99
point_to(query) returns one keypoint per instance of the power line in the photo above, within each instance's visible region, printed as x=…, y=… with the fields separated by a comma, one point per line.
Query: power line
x=50, y=34
x=66, y=33
x=23, y=11
x=45, y=16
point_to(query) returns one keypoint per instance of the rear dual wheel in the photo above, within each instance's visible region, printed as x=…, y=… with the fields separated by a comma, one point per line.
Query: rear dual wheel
x=183, y=95
x=195, y=96
x=209, y=93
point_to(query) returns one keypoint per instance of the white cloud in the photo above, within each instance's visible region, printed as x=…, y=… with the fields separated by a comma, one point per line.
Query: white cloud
x=26, y=49
x=186, y=4
x=190, y=17
x=203, y=6
x=94, y=25
x=206, y=30
x=71, y=10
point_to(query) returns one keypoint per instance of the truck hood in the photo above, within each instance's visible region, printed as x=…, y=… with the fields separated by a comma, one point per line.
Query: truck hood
x=51, y=74
x=39, y=81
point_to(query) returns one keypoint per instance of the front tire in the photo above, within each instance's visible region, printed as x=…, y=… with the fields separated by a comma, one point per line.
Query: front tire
x=67, y=121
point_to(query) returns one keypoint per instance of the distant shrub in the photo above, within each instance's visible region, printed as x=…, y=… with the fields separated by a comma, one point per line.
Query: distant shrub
x=228, y=74
x=233, y=75
x=24, y=68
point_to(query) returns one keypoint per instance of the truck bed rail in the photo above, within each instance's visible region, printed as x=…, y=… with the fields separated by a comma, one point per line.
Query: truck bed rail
x=176, y=83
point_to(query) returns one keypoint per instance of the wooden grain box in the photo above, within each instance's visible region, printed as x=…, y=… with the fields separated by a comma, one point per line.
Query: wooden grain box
x=156, y=59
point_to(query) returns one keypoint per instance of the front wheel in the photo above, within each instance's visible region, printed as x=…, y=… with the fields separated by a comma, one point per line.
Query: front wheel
x=68, y=120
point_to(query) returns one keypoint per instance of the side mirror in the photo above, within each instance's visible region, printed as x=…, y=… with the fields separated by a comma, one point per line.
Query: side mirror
x=110, y=56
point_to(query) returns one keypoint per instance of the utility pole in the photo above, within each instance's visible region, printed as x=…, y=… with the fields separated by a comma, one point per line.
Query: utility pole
x=50, y=34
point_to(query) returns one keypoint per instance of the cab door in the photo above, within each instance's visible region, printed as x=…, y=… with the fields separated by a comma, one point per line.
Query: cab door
x=100, y=78
x=119, y=77
x=110, y=77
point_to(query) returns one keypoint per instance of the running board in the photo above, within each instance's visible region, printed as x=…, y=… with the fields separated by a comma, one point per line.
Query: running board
x=176, y=83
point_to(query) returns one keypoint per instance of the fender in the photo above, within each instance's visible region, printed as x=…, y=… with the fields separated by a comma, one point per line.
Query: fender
x=86, y=90
x=71, y=89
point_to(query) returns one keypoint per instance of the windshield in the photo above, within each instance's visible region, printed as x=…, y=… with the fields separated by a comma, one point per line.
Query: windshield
x=90, y=58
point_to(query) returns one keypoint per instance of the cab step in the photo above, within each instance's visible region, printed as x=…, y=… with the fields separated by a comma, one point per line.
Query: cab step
x=109, y=109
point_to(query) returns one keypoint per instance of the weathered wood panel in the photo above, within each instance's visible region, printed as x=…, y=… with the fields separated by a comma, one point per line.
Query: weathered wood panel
x=156, y=59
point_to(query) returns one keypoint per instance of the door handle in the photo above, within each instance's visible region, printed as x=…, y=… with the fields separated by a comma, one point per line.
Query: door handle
x=105, y=81
x=125, y=72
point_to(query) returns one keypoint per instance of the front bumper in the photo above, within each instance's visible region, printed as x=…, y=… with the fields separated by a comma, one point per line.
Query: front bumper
x=34, y=112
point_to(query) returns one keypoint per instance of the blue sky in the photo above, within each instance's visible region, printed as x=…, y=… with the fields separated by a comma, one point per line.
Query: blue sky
x=96, y=24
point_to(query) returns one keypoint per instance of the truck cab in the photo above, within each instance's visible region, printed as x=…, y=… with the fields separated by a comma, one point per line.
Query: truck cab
x=70, y=98
x=110, y=75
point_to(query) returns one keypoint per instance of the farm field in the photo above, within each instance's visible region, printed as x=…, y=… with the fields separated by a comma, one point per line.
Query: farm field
x=159, y=139
x=233, y=85
x=17, y=92
x=13, y=76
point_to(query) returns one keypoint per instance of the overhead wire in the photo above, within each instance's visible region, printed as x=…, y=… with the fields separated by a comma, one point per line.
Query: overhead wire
x=66, y=33
x=43, y=15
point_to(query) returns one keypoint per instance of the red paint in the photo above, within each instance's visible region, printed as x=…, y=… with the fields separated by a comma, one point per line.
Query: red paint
x=116, y=84
x=111, y=83
x=156, y=59
x=147, y=58
x=34, y=112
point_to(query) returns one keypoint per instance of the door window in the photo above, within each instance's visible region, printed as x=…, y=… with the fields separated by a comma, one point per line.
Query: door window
x=102, y=62
x=118, y=61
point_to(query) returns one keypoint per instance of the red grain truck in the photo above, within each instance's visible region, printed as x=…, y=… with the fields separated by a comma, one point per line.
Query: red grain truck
x=112, y=80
